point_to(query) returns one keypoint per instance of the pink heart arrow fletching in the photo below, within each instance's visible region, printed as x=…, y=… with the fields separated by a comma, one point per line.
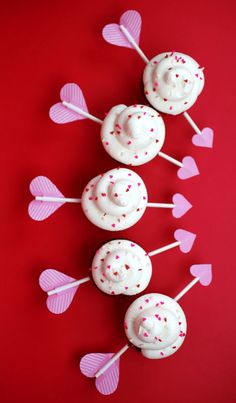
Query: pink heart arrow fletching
x=203, y=272
x=204, y=139
x=188, y=169
x=182, y=205
x=72, y=94
x=107, y=382
x=186, y=239
x=132, y=21
x=51, y=279
x=38, y=209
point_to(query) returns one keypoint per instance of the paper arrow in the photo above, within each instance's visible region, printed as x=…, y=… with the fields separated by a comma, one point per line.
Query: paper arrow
x=126, y=33
x=189, y=168
x=40, y=210
x=180, y=205
x=202, y=274
x=185, y=241
x=204, y=138
x=72, y=106
x=48, y=198
x=60, y=288
x=103, y=367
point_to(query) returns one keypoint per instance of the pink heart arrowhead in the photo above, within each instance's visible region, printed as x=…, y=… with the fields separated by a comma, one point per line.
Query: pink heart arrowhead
x=131, y=20
x=204, y=139
x=70, y=93
x=40, y=210
x=188, y=169
x=51, y=279
x=186, y=239
x=182, y=205
x=203, y=272
x=107, y=382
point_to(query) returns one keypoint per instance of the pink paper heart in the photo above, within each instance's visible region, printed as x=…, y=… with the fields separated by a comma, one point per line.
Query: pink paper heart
x=186, y=239
x=188, y=169
x=40, y=210
x=107, y=382
x=204, y=139
x=203, y=272
x=132, y=21
x=182, y=205
x=51, y=279
x=59, y=303
x=70, y=93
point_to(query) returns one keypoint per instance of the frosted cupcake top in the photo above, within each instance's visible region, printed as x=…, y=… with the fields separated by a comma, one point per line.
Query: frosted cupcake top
x=172, y=82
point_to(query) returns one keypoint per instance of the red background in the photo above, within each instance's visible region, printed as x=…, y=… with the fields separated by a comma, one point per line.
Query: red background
x=45, y=45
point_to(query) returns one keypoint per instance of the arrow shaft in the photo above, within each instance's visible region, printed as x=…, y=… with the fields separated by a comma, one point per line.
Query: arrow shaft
x=161, y=205
x=133, y=43
x=111, y=361
x=81, y=112
x=58, y=199
x=68, y=286
x=186, y=289
x=170, y=159
x=191, y=122
x=164, y=248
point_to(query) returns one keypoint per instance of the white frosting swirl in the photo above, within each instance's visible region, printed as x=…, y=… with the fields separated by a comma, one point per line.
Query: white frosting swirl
x=133, y=135
x=121, y=267
x=172, y=82
x=156, y=324
x=115, y=200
